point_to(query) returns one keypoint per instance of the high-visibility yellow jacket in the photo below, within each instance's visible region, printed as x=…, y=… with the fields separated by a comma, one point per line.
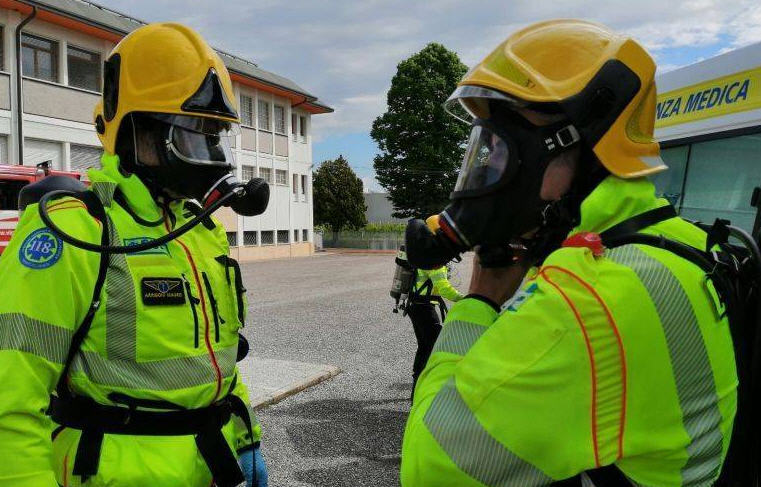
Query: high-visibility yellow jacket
x=615, y=359
x=166, y=330
x=439, y=284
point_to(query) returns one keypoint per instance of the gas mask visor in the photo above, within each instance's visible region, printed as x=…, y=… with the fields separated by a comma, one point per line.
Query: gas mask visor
x=201, y=141
x=490, y=161
x=198, y=141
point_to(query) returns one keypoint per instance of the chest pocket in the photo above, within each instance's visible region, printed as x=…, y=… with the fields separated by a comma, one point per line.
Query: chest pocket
x=162, y=307
x=234, y=281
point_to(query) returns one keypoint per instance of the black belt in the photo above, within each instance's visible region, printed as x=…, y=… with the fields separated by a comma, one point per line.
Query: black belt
x=95, y=420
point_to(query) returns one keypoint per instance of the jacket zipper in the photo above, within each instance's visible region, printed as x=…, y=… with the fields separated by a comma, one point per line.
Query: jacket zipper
x=212, y=356
x=193, y=302
x=214, y=306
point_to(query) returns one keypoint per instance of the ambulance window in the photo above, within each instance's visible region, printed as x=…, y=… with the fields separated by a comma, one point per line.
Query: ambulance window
x=669, y=184
x=9, y=191
x=720, y=180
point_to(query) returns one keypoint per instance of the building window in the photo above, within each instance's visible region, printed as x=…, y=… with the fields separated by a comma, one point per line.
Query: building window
x=295, y=235
x=84, y=68
x=304, y=186
x=295, y=187
x=279, y=119
x=3, y=149
x=268, y=237
x=38, y=151
x=83, y=157
x=2, y=48
x=246, y=110
x=249, y=238
x=264, y=116
x=303, y=128
x=247, y=172
x=305, y=235
x=232, y=239
x=282, y=236
x=39, y=57
x=281, y=177
x=294, y=125
x=266, y=174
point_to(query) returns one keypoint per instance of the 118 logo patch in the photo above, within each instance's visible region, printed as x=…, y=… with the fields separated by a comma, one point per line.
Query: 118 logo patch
x=41, y=249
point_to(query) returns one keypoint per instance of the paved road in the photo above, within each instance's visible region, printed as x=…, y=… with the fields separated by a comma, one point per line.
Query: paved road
x=333, y=309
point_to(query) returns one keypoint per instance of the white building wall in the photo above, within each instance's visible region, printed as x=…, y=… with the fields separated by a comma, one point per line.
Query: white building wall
x=55, y=135
x=39, y=127
x=284, y=212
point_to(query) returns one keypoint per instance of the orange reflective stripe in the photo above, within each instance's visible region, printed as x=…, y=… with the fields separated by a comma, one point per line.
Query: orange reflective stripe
x=66, y=470
x=606, y=350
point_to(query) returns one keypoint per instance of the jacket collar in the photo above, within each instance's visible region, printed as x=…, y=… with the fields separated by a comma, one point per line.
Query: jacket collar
x=107, y=179
x=615, y=200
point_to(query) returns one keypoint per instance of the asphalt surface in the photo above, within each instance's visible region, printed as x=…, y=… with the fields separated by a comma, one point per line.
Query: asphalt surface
x=333, y=309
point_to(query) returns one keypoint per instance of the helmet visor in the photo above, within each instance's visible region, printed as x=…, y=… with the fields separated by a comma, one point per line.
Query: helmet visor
x=487, y=160
x=468, y=102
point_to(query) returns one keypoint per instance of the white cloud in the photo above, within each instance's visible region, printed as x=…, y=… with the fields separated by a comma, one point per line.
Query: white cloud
x=746, y=28
x=346, y=51
x=352, y=114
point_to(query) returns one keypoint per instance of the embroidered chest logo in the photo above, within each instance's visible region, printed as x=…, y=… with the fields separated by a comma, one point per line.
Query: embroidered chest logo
x=162, y=291
x=131, y=242
x=41, y=249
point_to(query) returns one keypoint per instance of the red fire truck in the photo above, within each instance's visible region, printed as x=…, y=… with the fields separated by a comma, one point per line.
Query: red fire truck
x=12, y=179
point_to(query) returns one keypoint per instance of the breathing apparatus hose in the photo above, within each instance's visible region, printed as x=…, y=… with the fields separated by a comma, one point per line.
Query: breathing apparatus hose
x=125, y=249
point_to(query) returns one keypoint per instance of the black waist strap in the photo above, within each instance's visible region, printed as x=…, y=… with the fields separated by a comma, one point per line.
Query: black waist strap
x=95, y=420
x=83, y=413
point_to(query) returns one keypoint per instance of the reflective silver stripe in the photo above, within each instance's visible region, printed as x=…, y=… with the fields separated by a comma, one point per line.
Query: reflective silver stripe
x=121, y=307
x=472, y=448
x=157, y=375
x=689, y=360
x=458, y=336
x=104, y=191
x=25, y=334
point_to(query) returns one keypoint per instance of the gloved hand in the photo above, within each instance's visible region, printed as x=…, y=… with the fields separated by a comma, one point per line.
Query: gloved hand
x=250, y=460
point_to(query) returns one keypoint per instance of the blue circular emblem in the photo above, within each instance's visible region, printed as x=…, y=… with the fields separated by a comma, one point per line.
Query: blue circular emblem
x=41, y=249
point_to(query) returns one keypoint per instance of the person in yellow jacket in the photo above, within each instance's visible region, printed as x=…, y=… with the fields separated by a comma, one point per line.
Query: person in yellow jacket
x=430, y=289
x=132, y=355
x=613, y=362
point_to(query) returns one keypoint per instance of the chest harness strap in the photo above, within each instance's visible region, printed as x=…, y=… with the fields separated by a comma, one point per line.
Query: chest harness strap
x=95, y=420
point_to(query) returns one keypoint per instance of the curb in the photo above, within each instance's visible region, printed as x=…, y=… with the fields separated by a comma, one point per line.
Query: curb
x=286, y=392
x=336, y=250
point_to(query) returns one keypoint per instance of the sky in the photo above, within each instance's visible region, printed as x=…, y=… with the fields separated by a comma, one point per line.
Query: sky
x=345, y=51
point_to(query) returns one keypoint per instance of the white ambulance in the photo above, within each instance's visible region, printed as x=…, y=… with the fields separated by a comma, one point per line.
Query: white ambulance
x=708, y=120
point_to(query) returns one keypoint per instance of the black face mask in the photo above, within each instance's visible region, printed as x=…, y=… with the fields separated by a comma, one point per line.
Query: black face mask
x=172, y=177
x=497, y=197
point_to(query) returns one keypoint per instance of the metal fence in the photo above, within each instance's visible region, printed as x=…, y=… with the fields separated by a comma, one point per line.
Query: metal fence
x=360, y=239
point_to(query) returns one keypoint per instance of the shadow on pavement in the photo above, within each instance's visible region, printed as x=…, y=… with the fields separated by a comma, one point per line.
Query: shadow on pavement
x=367, y=435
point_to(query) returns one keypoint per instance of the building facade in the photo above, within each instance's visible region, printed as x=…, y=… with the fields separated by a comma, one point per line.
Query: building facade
x=63, y=44
x=708, y=121
x=380, y=208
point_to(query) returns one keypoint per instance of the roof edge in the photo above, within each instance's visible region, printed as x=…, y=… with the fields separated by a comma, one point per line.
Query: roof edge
x=286, y=91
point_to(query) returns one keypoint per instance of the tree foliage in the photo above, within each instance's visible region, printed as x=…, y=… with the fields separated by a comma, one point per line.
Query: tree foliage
x=421, y=145
x=338, y=199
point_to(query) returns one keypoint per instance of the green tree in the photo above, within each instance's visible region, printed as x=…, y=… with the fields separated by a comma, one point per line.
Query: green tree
x=338, y=199
x=421, y=145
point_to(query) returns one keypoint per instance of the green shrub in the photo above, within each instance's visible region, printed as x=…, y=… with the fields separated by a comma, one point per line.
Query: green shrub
x=386, y=227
